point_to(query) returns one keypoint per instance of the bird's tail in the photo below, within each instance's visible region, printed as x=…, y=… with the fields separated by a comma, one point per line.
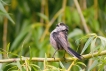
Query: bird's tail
x=72, y=52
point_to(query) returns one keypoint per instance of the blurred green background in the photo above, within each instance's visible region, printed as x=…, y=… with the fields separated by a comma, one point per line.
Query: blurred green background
x=26, y=25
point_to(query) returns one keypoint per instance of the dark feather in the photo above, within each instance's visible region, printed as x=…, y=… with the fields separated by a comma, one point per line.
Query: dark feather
x=71, y=51
x=62, y=43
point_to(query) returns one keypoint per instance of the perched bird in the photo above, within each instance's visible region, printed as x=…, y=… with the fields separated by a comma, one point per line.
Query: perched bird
x=58, y=39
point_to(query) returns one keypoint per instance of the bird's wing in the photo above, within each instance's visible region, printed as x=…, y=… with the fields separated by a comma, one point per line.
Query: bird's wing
x=61, y=39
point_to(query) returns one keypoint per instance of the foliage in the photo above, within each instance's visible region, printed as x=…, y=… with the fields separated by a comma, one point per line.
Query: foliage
x=30, y=23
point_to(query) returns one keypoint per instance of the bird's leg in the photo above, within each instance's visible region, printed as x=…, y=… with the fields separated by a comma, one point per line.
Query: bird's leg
x=54, y=54
x=64, y=57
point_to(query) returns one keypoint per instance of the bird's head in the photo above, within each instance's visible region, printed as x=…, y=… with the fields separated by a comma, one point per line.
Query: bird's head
x=61, y=26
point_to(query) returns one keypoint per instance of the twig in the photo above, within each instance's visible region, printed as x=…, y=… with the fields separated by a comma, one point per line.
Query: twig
x=83, y=4
x=82, y=17
x=50, y=23
x=71, y=65
x=5, y=33
x=64, y=6
x=46, y=11
x=56, y=15
x=96, y=9
x=42, y=10
x=87, y=56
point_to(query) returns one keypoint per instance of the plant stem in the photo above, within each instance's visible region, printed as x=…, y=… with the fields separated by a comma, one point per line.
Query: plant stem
x=50, y=23
x=5, y=33
x=82, y=17
x=64, y=6
x=71, y=65
x=87, y=56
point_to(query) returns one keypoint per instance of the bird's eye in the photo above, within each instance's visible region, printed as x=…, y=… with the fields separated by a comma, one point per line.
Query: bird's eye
x=62, y=24
x=67, y=30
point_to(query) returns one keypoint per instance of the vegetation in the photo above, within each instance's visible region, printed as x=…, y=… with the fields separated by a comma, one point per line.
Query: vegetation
x=25, y=26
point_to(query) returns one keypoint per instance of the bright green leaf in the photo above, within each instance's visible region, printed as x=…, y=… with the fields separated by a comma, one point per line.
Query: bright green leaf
x=4, y=12
x=19, y=65
x=87, y=44
x=94, y=64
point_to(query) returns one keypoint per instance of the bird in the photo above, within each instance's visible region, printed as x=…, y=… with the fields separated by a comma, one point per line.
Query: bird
x=58, y=39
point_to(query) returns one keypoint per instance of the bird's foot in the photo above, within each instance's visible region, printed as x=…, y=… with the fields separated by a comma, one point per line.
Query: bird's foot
x=53, y=57
x=65, y=60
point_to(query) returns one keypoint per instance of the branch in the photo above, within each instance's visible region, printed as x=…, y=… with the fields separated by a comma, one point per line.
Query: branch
x=82, y=17
x=87, y=56
x=5, y=25
x=71, y=65
x=50, y=23
x=63, y=7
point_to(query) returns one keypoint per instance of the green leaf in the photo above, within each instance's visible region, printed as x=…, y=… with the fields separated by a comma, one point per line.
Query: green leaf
x=43, y=16
x=87, y=44
x=103, y=40
x=76, y=17
x=95, y=25
x=75, y=32
x=93, y=45
x=10, y=64
x=35, y=67
x=68, y=15
x=78, y=40
x=7, y=49
x=30, y=53
x=11, y=68
x=81, y=63
x=19, y=65
x=5, y=12
x=94, y=64
x=80, y=69
x=61, y=65
x=20, y=38
x=45, y=61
